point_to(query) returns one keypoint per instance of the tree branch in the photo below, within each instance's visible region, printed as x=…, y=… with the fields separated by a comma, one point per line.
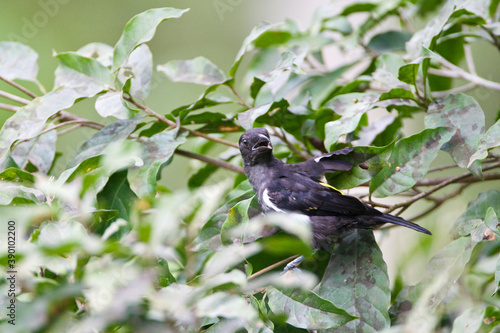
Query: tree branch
x=8, y=107
x=210, y=160
x=440, y=185
x=14, y=98
x=19, y=87
x=171, y=124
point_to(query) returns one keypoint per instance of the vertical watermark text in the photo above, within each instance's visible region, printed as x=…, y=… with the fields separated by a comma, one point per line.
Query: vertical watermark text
x=11, y=272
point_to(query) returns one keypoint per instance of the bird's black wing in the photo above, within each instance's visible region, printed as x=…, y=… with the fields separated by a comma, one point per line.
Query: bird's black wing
x=298, y=193
x=316, y=167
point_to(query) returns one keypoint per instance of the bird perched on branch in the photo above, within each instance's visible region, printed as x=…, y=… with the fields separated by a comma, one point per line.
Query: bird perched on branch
x=297, y=188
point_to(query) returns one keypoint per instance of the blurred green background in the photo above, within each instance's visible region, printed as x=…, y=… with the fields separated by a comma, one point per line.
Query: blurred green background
x=214, y=29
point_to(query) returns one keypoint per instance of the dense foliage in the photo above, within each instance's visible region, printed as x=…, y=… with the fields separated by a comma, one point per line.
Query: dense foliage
x=103, y=246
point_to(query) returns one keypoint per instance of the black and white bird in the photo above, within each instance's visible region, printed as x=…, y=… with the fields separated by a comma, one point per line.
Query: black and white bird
x=297, y=188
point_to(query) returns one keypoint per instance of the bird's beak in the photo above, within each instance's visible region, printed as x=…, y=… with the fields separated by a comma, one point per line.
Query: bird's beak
x=263, y=144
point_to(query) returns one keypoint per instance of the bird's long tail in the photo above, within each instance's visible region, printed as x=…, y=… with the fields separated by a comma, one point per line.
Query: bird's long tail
x=388, y=218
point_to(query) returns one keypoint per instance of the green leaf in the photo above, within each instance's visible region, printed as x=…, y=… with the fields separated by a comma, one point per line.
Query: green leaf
x=358, y=7
x=157, y=150
x=356, y=279
x=112, y=104
x=462, y=114
x=116, y=195
x=165, y=277
x=10, y=191
x=246, y=46
x=337, y=23
x=199, y=70
x=305, y=309
x=322, y=87
x=351, y=107
x=408, y=73
x=87, y=66
x=29, y=120
x=99, y=51
x=141, y=29
x=225, y=305
x=397, y=93
x=443, y=271
x=18, y=176
x=213, y=226
x=375, y=157
x=428, y=36
x=40, y=151
x=272, y=37
x=280, y=114
x=477, y=211
x=139, y=70
x=96, y=145
x=18, y=61
x=389, y=41
x=469, y=321
x=207, y=99
x=409, y=162
x=237, y=215
x=490, y=139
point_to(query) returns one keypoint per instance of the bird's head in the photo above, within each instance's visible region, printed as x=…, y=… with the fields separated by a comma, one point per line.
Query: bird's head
x=255, y=146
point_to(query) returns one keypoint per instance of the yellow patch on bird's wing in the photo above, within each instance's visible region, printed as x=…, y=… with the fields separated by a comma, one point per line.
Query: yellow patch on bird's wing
x=330, y=186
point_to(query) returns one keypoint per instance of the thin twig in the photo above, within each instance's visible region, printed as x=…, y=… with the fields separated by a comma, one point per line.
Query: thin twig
x=67, y=130
x=14, y=98
x=282, y=137
x=468, y=55
x=438, y=202
x=443, y=93
x=210, y=160
x=242, y=100
x=174, y=125
x=457, y=72
x=19, y=87
x=8, y=107
x=82, y=122
x=271, y=267
x=437, y=187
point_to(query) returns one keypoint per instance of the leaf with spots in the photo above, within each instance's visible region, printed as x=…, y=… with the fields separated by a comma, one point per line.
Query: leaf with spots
x=199, y=70
x=464, y=115
x=443, y=271
x=409, y=161
x=305, y=309
x=18, y=61
x=490, y=139
x=30, y=120
x=375, y=157
x=356, y=280
x=157, y=150
x=351, y=107
x=476, y=212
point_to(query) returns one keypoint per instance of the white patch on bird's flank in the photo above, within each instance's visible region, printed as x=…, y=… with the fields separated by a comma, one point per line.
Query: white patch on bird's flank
x=269, y=203
x=317, y=159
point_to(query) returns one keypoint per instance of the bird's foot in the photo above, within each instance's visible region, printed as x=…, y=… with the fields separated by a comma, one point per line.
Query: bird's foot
x=293, y=265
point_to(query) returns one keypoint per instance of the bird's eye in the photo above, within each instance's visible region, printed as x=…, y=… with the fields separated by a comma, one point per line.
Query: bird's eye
x=245, y=142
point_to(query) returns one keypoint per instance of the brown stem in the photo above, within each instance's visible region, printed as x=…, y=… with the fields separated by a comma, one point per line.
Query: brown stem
x=14, y=98
x=283, y=138
x=439, y=186
x=174, y=125
x=19, y=87
x=210, y=160
x=8, y=107
x=242, y=100
x=271, y=267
